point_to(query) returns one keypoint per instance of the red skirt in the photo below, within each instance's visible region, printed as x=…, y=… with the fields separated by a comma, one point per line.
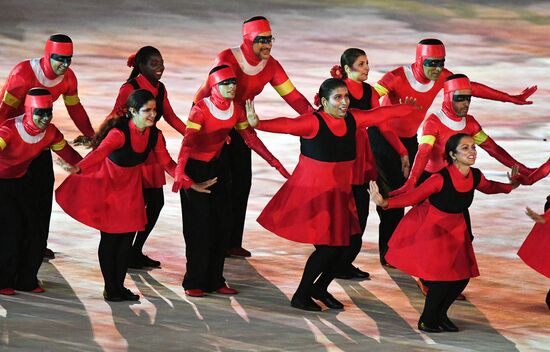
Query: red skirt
x=315, y=205
x=153, y=172
x=433, y=245
x=535, y=250
x=364, y=166
x=109, y=198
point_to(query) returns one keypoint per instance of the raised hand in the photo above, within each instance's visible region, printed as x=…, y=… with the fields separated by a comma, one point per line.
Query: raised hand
x=376, y=196
x=66, y=166
x=535, y=216
x=251, y=116
x=521, y=99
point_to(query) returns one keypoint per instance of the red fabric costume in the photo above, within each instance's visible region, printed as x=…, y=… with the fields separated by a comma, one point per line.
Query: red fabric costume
x=315, y=205
x=38, y=73
x=538, y=174
x=153, y=172
x=106, y=196
x=433, y=244
x=536, y=247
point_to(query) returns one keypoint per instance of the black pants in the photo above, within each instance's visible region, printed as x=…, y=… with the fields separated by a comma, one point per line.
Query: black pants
x=320, y=269
x=154, y=201
x=239, y=160
x=205, y=226
x=361, y=197
x=441, y=294
x=113, y=253
x=390, y=177
x=21, y=248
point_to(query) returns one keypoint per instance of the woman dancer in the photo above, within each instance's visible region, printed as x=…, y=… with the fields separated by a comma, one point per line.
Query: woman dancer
x=147, y=69
x=105, y=190
x=432, y=241
x=316, y=204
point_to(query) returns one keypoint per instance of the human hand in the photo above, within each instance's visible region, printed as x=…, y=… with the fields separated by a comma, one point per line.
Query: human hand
x=202, y=187
x=405, y=166
x=376, y=196
x=539, y=218
x=73, y=169
x=83, y=141
x=521, y=99
x=251, y=116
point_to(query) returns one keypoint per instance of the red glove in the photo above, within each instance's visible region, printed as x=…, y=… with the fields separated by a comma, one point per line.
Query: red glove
x=409, y=184
x=481, y=91
x=277, y=165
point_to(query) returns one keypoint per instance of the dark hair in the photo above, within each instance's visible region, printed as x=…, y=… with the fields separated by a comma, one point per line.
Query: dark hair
x=255, y=18
x=431, y=41
x=348, y=58
x=136, y=100
x=217, y=68
x=38, y=91
x=141, y=57
x=452, y=144
x=455, y=76
x=60, y=38
x=327, y=87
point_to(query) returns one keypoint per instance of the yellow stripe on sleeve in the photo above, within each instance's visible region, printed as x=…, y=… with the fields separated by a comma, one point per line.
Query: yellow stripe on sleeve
x=59, y=145
x=241, y=125
x=427, y=139
x=11, y=100
x=193, y=125
x=285, y=88
x=480, y=137
x=380, y=89
x=71, y=100
x=2, y=143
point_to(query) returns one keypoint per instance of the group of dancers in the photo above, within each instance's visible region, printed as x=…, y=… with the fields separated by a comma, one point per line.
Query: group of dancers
x=361, y=139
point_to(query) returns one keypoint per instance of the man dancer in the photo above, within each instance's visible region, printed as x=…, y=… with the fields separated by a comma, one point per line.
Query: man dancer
x=53, y=73
x=254, y=67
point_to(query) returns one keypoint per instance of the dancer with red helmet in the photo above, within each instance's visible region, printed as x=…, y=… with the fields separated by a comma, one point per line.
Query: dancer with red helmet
x=147, y=69
x=23, y=139
x=254, y=68
x=52, y=72
x=203, y=175
x=421, y=80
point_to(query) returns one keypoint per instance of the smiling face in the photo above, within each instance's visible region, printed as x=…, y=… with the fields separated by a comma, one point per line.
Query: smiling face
x=60, y=63
x=359, y=71
x=42, y=117
x=145, y=116
x=337, y=104
x=433, y=66
x=262, y=45
x=465, y=153
x=153, y=68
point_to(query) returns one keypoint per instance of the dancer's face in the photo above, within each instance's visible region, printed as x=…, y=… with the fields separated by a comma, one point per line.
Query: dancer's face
x=228, y=88
x=145, y=116
x=153, y=68
x=461, y=101
x=433, y=66
x=359, y=71
x=465, y=153
x=60, y=63
x=338, y=103
x=42, y=117
x=262, y=45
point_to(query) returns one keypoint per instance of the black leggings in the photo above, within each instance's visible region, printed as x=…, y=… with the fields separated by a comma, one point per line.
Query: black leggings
x=113, y=252
x=320, y=269
x=361, y=197
x=441, y=294
x=154, y=201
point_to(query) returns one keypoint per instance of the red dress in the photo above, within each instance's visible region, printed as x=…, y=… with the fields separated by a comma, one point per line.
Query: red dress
x=434, y=244
x=535, y=250
x=106, y=196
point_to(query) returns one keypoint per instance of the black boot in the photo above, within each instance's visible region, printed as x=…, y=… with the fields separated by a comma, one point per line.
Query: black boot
x=448, y=325
x=304, y=303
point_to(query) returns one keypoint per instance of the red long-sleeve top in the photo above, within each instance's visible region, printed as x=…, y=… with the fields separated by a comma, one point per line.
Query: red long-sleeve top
x=30, y=74
x=18, y=149
x=435, y=182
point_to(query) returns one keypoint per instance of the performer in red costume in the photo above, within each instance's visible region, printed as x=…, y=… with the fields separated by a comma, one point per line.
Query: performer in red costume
x=204, y=176
x=53, y=73
x=22, y=139
x=421, y=80
x=105, y=189
x=432, y=241
x=316, y=204
x=148, y=67
x=254, y=67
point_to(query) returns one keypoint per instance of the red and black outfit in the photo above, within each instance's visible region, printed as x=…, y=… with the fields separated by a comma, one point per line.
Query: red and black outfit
x=153, y=173
x=433, y=242
x=107, y=194
x=316, y=204
x=206, y=216
x=39, y=73
x=21, y=244
x=394, y=86
x=252, y=76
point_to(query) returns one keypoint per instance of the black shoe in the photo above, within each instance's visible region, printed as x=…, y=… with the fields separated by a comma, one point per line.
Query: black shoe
x=427, y=328
x=358, y=273
x=135, y=260
x=148, y=262
x=447, y=325
x=548, y=299
x=49, y=254
x=112, y=297
x=328, y=300
x=304, y=303
x=128, y=295
x=344, y=275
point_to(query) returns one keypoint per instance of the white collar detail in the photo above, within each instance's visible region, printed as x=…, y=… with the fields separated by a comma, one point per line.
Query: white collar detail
x=218, y=113
x=244, y=65
x=450, y=123
x=419, y=87
x=41, y=76
x=25, y=136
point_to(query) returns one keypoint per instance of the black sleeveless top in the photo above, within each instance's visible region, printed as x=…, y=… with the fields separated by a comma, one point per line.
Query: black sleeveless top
x=125, y=156
x=364, y=103
x=449, y=199
x=325, y=146
x=159, y=98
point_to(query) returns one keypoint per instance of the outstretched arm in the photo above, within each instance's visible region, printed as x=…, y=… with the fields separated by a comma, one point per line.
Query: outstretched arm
x=377, y=116
x=282, y=84
x=500, y=154
x=302, y=126
x=482, y=91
